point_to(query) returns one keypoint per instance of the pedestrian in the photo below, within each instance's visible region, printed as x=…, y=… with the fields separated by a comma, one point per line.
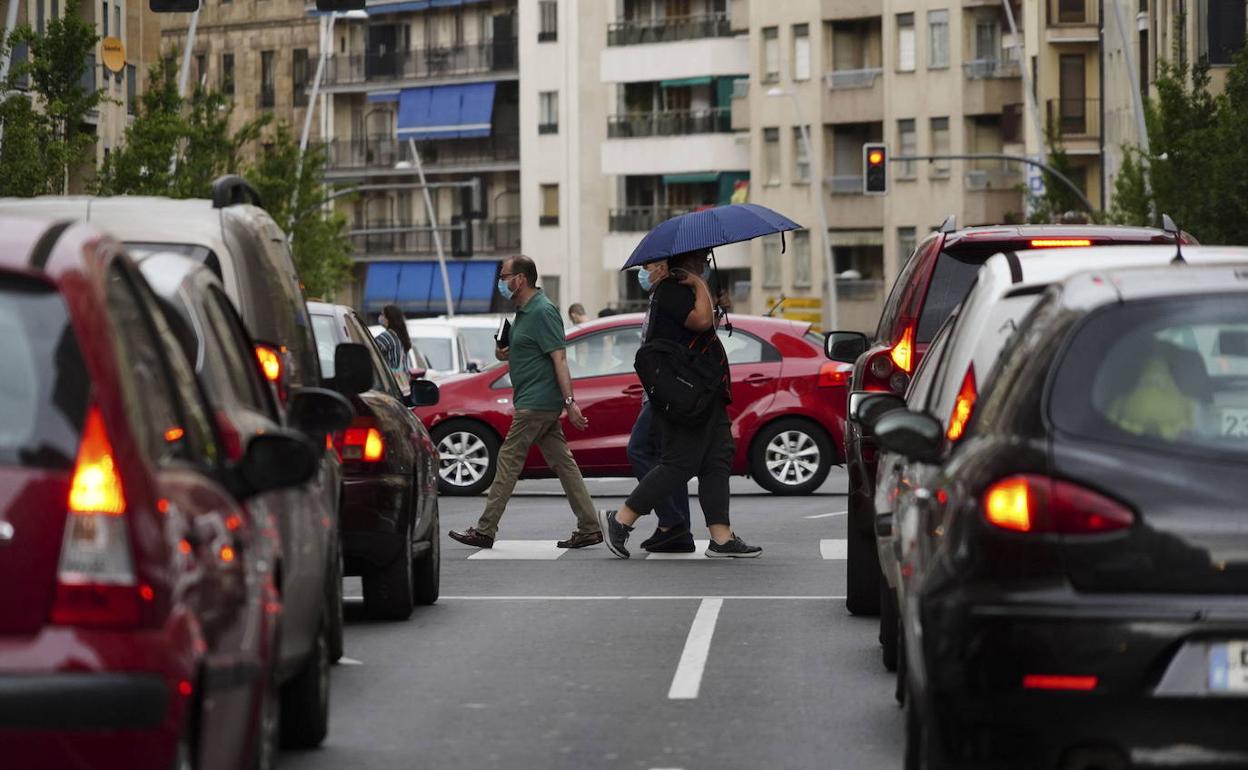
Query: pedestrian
x=577, y=314
x=681, y=310
x=395, y=345
x=541, y=392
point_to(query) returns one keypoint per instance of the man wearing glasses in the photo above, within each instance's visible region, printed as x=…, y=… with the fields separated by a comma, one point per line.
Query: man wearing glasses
x=542, y=389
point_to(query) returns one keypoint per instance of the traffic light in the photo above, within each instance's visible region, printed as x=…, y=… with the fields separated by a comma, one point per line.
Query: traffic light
x=874, y=169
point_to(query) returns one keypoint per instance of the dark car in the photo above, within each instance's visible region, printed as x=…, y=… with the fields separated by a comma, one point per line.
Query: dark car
x=139, y=611
x=389, y=518
x=932, y=282
x=1075, y=571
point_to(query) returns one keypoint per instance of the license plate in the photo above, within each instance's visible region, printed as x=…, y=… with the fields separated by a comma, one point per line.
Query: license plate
x=1234, y=423
x=1228, y=667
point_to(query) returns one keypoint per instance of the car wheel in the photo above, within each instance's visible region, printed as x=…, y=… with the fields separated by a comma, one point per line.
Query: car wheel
x=427, y=572
x=862, y=564
x=888, y=627
x=791, y=456
x=305, y=698
x=388, y=591
x=335, y=608
x=467, y=457
x=264, y=753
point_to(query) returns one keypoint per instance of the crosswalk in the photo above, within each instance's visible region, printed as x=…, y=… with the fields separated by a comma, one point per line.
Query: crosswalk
x=547, y=550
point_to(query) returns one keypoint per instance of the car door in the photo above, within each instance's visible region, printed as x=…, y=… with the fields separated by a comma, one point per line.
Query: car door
x=755, y=366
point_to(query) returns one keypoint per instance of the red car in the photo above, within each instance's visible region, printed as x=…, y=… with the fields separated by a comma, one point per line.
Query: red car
x=138, y=615
x=788, y=407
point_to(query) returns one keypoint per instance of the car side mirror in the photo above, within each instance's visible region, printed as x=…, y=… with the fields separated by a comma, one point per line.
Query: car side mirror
x=318, y=411
x=845, y=346
x=353, y=368
x=474, y=366
x=277, y=460
x=866, y=407
x=424, y=393
x=913, y=435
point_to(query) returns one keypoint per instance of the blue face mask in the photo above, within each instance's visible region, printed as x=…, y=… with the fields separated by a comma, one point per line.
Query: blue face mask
x=706, y=272
x=643, y=278
x=504, y=289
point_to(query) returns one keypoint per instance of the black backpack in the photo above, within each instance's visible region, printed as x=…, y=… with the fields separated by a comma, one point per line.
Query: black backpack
x=683, y=381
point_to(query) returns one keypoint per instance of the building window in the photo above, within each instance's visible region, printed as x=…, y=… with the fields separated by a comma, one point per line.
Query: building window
x=771, y=54
x=771, y=156
x=132, y=89
x=907, y=240
x=801, y=159
x=299, y=77
x=1224, y=30
x=550, y=206
x=801, y=52
x=548, y=108
x=201, y=69
x=549, y=29
x=227, y=74
x=937, y=39
x=940, y=146
x=907, y=144
x=905, y=42
x=104, y=18
x=117, y=20
x=268, y=80
x=772, y=277
x=801, y=258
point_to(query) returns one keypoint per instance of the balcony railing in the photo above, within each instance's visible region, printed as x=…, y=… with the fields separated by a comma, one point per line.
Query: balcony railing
x=993, y=179
x=266, y=99
x=845, y=184
x=491, y=236
x=1075, y=117
x=640, y=219
x=673, y=28
x=670, y=123
x=1074, y=12
x=383, y=152
x=985, y=69
x=421, y=63
x=864, y=78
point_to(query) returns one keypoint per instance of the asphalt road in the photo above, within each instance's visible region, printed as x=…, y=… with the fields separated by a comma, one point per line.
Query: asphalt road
x=552, y=659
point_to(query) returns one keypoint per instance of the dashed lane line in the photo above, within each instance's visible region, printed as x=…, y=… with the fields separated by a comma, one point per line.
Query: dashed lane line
x=834, y=549
x=688, y=678
x=827, y=515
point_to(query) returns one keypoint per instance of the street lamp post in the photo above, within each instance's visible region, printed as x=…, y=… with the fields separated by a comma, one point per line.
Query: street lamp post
x=829, y=300
x=433, y=223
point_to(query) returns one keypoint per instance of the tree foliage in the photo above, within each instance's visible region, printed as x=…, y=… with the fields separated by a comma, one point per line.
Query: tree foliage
x=1058, y=202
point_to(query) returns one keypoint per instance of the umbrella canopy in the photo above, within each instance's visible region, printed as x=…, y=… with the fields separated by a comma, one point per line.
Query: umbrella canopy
x=707, y=229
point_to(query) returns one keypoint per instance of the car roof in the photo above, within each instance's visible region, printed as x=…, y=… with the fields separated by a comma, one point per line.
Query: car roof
x=47, y=246
x=429, y=327
x=490, y=321
x=325, y=308
x=1101, y=287
x=1045, y=266
x=973, y=236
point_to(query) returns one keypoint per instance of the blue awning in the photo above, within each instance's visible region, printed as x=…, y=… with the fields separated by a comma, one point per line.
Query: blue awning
x=416, y=287
x=384, y=96
x=446, y=112
x=408, y=6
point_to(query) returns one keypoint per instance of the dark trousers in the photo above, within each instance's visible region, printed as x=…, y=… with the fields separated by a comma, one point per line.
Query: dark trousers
x=703, y=451
x=643, y=453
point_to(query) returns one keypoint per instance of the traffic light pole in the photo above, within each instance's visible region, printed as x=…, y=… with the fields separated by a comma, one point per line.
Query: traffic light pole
x=1059, y=176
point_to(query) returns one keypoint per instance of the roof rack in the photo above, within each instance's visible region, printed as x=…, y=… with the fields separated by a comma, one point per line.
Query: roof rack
x=231, y=190
x=950, y=224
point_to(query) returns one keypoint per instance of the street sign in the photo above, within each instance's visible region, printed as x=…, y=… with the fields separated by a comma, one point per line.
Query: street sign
x=113, y=54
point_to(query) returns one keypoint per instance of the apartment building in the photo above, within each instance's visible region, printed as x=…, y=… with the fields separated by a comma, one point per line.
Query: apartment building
x=438, y=81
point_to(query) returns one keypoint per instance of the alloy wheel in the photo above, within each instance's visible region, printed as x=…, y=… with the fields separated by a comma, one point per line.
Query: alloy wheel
x=792, y=457
x=463, y=458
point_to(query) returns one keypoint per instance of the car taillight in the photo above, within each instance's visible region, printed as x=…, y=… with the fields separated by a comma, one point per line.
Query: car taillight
x=1059, y=682
x=889, y=370
x=362, y=441
x=902, y=354
x=231, y=439
x=834, y=374
x=1059, y=243
x=270, y=363
x=963, y=406
x=1039, y=504
x=96, y=583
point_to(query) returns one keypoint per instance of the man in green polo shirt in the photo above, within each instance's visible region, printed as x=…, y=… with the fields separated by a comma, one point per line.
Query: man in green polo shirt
x=542, y=389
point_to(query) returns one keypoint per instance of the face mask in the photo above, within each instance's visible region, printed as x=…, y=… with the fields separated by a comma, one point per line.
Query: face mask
x=643, y=278
x=706, y=272
x=504, y=289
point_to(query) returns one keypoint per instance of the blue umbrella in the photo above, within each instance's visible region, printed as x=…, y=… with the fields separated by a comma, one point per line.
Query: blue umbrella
x=707, y=229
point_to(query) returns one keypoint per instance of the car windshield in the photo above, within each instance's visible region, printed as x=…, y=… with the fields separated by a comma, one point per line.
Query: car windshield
x=1160, y=374
x=480, y=344
x=952, y=279
x=437, y=351
x=43, y=383
x=326, y=342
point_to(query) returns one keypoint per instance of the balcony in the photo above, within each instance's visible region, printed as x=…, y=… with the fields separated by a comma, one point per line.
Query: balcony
x=848, y=207
x=992, y=179
x=1072, y=21
x=859, y=96
x=985, y=69
x=1075, y=118
x=669, y=123
x=990, y=85
x=668, y=30
x=388, y=238
x=845, y=184
x=379, y=154
x=373, y=70
x=994, y=197
x=840, y=79
x=641, y=219
x=740, y=120
x=837, y=10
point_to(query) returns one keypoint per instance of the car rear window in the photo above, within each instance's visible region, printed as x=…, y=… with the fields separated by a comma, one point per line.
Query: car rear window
x=326, y=342
x=1161, y=373
x=43, y=383
x=950, y=283
x=201, y=254
x=437, y=351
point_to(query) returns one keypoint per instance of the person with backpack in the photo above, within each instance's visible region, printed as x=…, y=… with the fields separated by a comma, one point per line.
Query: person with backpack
x=395, y=345
x=680, y=348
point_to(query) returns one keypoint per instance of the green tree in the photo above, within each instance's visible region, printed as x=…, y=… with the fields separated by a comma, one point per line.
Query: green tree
x=1058, y=199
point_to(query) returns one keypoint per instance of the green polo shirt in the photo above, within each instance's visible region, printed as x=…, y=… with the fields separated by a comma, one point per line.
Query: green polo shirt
x=536, y=333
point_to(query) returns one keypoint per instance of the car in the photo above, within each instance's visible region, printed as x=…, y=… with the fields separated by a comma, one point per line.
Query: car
x=784, y=426
x=959, y=364
x=477, y=332
x=139, y=617
x=240, y=243
x=1045, y=575
x=932, y=281
x=443, y=346
x=389, y=522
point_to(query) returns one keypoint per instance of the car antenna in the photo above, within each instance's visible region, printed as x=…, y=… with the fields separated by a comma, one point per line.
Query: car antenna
x=1170, y=227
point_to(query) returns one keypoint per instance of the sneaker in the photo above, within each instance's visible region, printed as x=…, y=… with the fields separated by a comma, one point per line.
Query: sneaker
x=679, y=545
x=661, y=538
x=614, y=533
x=581, y=540
x=735, y=548
x=472, y=537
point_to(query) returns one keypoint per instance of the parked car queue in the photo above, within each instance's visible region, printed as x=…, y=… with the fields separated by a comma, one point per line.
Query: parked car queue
x=1062, y=573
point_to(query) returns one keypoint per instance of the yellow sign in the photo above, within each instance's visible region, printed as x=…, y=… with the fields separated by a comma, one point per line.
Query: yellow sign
x=804, y=302
x=113, y=53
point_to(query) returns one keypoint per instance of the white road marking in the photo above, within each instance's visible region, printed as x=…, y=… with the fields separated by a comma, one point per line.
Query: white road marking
x=699, y=547
x=834, y=549
x=350, y=662
x=521, y=549
x=688, y=678
x=827, y=515
x=593, y=598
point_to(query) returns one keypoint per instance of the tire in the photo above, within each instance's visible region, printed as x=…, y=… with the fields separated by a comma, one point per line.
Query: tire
x=888, y=627
x=427, y=571
x=264, y=752
x=862, y=567
x=305, y=698
x=334, y=597
x=388, y=591
x=467, y=457
x=791, y=456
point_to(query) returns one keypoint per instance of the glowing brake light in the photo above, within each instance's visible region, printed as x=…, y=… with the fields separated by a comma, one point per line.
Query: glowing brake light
x=1006, y=504
x=363, y=442
x=833, y=374
x=963, y=406
x=270, y=362
x=1034, y=503
x=96, y=487
x=1059, y=682
x=1059, y=243
x=902, y=353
